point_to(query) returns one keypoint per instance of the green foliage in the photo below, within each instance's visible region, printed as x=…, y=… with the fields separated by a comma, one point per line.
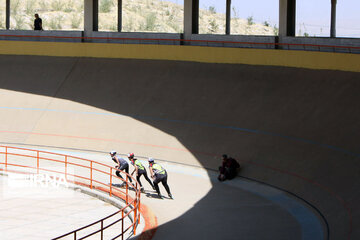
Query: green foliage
x=129, y=26
x=14, y=6
x=306, y=34
x=171, y=16
x=20, y=22
x=250, y=20
x=266, y=24
x=276, y=30
x=2, y=25
x=30, y=7
x=43, y=5
x=80, y=7
x=105, y=6
x=57, y=5
x=212, y=10
x=150, y=22
x=235, y=13
x=134, y=8
x=56, y=22
x=113, y=27
x=213, y=26
x=75, y=21
x=174, y=26
x=69, y=6
x=148, y=4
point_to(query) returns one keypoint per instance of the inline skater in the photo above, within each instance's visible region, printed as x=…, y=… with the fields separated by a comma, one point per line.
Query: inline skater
x=140, y=170
x=159, y=174
x=122, y=164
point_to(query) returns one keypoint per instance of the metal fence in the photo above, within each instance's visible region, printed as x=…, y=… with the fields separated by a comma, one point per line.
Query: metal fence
x=89, y=173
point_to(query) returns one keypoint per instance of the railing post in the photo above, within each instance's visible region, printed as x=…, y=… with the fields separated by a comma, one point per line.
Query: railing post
x=6, y=156
x=139, y=209
x=37, y=158
x=102, y=230
x=135, y=216
x=75, y=235
x=91, y=173
x=127, y=189
x=110, y=192
x=122, y=224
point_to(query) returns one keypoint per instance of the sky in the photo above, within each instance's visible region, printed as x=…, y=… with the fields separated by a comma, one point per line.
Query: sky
x=313, y=16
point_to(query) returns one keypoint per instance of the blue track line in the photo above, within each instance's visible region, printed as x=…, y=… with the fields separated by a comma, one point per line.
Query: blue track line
x=204, y=124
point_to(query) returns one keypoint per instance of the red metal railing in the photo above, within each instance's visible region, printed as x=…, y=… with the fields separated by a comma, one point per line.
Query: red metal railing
x=318, y=47
x=89, y=173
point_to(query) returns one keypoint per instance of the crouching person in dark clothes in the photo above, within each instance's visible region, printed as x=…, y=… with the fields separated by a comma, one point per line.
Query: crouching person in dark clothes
x=229, y=168
x=122, y=164
x=159, y=174
x=140, y=170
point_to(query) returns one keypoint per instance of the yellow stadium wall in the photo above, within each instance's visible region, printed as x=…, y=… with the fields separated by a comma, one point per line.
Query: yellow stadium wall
x=287, y=58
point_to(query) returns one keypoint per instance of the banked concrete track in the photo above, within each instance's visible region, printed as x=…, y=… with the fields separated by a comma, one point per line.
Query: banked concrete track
x=295, y=129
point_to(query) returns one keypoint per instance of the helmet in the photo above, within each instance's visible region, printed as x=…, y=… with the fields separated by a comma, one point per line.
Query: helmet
x=130, y=155
x=151, y=160
x=112, y=152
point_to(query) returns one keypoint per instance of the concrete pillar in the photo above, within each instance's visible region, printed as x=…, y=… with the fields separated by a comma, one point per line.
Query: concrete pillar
x=7, y=21
x=195, y=16
x=91, y=13
x=228, y=17
x=120, y=15
x=191, y=18
x=333, y=19
x=287, y=18
x=187, y=18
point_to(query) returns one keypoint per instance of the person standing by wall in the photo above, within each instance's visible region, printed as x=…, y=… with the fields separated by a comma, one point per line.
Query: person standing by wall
x=38, y=22
x=159, y=174
x=140, y=170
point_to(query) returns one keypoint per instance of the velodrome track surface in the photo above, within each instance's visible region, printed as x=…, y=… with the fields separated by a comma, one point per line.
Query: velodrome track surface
x=295, y=129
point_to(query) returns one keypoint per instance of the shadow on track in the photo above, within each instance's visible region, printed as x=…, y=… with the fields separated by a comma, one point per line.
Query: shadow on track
x=209, y=108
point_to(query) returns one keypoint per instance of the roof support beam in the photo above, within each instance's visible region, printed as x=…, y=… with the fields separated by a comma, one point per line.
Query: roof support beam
x=120, y=15
x=333, y=19
x=91, y=15
x=191, y=18
x=7, y=14
x=228, y=17
x=287, y=18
